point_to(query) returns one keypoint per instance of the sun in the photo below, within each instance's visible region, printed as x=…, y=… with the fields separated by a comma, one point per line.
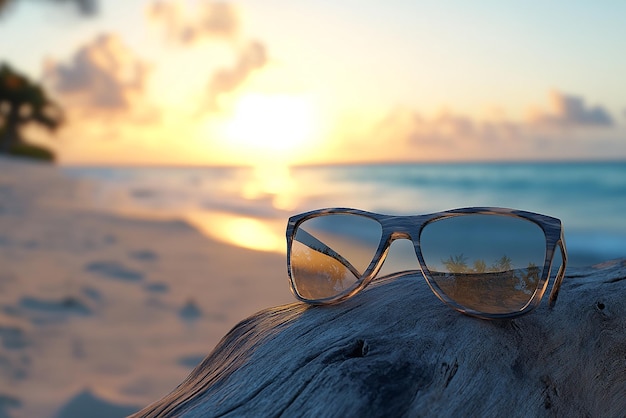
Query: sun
x=271, y=125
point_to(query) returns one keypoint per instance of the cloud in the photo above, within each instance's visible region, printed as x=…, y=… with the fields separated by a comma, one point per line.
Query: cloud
x=440, y=131
x=102, y=76
x=570, y=111
x=211, y=20
x=442, y=128
x=456, y=136
x=251, y=57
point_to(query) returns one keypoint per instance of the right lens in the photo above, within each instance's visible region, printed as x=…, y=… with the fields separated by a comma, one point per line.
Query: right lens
x=489, y=263
x=330, y=253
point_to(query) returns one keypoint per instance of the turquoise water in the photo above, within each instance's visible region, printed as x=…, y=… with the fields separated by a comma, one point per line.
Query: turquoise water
x=589, y=197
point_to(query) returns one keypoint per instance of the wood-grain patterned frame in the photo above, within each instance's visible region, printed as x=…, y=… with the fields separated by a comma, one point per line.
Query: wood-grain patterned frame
x=410, y=227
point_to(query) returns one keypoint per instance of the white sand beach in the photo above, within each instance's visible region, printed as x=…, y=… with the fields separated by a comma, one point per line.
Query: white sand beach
x=106, y=314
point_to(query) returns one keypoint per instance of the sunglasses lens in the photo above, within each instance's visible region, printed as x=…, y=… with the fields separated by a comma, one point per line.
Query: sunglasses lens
x=330, y=253
x=487, y=263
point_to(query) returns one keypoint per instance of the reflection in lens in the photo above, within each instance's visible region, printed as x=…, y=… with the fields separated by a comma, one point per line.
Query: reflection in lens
x=488, y=263
x=329, y=254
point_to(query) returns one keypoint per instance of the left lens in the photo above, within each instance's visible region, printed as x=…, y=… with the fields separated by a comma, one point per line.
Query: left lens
x=330, y=253
x=488, y=263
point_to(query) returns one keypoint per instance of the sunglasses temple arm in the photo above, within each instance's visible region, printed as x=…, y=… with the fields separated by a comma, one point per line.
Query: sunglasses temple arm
x=560, y=274
x=313, y=243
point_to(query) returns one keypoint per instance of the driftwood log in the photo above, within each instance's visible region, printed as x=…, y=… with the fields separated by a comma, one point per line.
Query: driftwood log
x=396, y=350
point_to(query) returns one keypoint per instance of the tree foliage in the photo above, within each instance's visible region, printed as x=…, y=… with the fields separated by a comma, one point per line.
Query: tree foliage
x=85, y=7
x=459, y=264
x=23, y=102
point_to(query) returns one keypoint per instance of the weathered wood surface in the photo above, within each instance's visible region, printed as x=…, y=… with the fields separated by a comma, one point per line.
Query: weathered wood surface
x=396, y=350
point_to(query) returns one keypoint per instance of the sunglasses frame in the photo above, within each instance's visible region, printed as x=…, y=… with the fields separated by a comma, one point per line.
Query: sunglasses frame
x=411, y=226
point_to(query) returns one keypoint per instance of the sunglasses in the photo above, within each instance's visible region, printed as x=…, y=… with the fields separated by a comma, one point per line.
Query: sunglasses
x=485, y=262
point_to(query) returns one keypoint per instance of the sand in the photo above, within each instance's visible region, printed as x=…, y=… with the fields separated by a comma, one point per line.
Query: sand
x=103, y=314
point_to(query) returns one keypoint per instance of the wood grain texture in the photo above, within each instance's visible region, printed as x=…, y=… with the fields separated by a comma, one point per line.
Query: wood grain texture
x=396, y=350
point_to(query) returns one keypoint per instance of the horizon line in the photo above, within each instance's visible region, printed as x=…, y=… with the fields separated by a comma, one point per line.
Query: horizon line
x=345, y=163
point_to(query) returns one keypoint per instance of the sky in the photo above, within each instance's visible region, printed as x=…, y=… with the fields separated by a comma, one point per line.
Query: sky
x=318, y=81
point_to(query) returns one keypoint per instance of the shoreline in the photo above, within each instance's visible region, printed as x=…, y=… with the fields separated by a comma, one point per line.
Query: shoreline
x=268, y=198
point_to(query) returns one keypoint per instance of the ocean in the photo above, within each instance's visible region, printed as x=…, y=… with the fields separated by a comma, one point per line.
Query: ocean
x=249, y=206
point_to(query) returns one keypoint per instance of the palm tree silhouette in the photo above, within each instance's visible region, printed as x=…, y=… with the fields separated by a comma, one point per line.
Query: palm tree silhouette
x=23, y=102
x=85, y=7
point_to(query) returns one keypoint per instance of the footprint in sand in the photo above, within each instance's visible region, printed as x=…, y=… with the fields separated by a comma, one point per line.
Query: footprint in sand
x=144, y=255
x=190, y=311
x=13, y=338
x=8, y=402
x=114, y=270
x=88, y=404
x=43, y=311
